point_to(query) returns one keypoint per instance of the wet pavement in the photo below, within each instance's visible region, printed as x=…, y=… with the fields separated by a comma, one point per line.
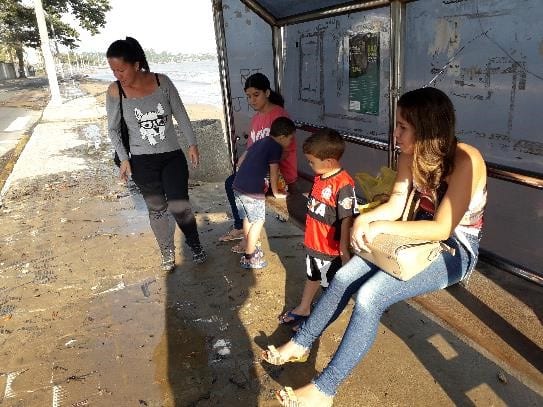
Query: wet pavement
x=88, y=319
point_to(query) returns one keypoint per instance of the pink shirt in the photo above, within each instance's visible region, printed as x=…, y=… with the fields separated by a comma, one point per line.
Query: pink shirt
x=260, y=128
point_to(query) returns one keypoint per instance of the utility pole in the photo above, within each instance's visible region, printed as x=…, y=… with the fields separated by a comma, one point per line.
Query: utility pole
x=47, y=56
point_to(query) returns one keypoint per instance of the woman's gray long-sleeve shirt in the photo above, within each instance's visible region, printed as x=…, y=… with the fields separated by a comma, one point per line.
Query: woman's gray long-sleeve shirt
x=149, y=121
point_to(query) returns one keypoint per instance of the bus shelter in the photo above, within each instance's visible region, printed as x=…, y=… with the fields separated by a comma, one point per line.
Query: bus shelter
x=344, y=64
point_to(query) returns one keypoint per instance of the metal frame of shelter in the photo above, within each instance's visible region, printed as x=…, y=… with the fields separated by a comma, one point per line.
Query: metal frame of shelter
x=397, y=34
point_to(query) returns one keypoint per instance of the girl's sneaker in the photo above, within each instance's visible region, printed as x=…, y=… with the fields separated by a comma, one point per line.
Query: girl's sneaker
x=255, y=262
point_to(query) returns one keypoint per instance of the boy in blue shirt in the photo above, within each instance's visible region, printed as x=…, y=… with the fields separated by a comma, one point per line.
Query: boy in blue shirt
x=249, y=187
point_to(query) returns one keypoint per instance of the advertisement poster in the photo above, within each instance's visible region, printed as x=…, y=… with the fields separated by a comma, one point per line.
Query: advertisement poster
x=364, y=73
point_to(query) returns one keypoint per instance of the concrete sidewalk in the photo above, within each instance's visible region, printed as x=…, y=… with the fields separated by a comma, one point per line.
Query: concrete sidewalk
x=86, y=317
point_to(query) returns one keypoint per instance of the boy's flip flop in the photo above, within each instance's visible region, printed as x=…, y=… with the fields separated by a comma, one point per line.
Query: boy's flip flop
x=238, y=249
x=290, y=317
x=232, y=234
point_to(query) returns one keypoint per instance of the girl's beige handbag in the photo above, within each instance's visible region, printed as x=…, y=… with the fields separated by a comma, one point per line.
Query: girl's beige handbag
x=403, y=257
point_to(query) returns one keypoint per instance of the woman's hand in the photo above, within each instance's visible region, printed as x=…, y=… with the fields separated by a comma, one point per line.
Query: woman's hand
x=374, y=229
x=358, y=232
x=363, y=234
x=194, y=156
x=125, y=170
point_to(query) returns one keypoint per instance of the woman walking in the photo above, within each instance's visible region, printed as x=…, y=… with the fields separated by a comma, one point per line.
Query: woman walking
x=156, y=162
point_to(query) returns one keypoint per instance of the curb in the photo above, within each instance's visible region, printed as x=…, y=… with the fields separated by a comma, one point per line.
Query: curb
x=16, y=153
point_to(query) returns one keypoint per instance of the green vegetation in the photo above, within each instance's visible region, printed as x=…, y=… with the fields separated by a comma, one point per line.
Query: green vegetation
x=154, y=57
x=18, y=27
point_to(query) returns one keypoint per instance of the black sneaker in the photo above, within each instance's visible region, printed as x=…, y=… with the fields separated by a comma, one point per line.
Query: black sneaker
x=199, y=255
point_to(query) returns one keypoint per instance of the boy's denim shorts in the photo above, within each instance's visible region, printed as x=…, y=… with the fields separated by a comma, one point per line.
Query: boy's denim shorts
x=251, y=208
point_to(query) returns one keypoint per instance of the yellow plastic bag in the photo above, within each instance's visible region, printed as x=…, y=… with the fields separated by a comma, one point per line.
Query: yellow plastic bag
x=376, y=189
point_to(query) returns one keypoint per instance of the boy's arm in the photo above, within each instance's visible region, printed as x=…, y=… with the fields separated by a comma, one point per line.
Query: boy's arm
x=274, y=178
x=240, y=159
x=347, y=208
x=345, y=239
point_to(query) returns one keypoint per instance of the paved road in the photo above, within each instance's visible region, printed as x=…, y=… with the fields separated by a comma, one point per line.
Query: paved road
x=14, y=123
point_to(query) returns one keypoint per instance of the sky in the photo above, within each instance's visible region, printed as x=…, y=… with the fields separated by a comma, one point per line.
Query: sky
x=176, y=26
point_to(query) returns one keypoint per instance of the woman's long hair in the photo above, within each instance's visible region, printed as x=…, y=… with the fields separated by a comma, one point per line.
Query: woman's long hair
x=261, y=82
x=431, y=112
x=130, y=51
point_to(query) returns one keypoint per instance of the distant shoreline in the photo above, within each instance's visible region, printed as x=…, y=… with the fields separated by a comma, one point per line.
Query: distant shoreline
x=196, y=111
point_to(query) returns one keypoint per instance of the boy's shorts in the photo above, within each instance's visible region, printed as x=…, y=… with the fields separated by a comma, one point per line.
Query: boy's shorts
x=322, y=270
x=251, y=208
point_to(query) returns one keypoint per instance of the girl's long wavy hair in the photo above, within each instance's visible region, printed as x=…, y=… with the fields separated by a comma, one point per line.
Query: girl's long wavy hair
x=431, y=112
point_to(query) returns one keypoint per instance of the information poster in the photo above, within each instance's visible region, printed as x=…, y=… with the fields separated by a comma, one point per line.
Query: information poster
x=364, y=73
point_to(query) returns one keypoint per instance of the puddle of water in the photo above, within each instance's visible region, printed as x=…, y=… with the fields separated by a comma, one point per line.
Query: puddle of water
x=93, y=136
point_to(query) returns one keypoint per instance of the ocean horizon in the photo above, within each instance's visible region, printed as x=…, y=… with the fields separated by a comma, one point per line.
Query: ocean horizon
x=198, y=82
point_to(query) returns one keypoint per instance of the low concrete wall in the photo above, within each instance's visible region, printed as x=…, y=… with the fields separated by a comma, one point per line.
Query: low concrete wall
x=214, y=159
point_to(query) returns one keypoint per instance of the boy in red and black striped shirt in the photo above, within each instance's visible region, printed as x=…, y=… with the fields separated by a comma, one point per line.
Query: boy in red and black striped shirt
x=330, y=209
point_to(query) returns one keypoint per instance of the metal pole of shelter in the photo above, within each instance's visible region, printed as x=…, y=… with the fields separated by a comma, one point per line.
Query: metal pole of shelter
x=397, y=33
x=218, y=20
x=47, y=56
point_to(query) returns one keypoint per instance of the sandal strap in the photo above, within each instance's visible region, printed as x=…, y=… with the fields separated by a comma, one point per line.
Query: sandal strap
x=288, y=398
x=274, y=357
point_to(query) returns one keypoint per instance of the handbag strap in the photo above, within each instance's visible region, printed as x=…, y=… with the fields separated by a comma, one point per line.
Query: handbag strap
x=411, y=206
x=121, y=95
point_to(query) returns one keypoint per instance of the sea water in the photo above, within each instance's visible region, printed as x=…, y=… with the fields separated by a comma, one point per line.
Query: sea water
x=196, y=80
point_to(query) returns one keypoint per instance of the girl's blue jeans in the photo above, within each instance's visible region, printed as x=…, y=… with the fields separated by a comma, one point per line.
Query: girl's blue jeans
x=373, y=292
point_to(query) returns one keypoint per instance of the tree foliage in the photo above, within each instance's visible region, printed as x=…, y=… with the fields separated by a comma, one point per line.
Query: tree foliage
x=18, y=26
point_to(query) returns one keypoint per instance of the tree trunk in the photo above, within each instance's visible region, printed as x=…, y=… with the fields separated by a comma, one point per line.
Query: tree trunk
x=20, y=57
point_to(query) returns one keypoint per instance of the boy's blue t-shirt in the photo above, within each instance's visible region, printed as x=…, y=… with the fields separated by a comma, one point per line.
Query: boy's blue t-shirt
x=254, y=168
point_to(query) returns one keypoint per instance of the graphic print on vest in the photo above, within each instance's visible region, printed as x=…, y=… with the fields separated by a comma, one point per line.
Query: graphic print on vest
x=152, y=124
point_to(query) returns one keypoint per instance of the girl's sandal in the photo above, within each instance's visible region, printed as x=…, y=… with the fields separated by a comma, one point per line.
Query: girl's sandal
x=273, y=357
x=287, y=398
x=239, y=249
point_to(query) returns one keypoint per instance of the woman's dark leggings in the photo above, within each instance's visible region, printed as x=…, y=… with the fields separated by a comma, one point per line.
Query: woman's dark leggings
x=163, y=181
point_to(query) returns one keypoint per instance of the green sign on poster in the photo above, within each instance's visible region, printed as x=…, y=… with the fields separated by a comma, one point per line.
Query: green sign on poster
x=364, y=73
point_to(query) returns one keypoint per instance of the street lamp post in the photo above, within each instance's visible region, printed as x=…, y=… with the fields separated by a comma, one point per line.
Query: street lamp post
x=47, y=56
